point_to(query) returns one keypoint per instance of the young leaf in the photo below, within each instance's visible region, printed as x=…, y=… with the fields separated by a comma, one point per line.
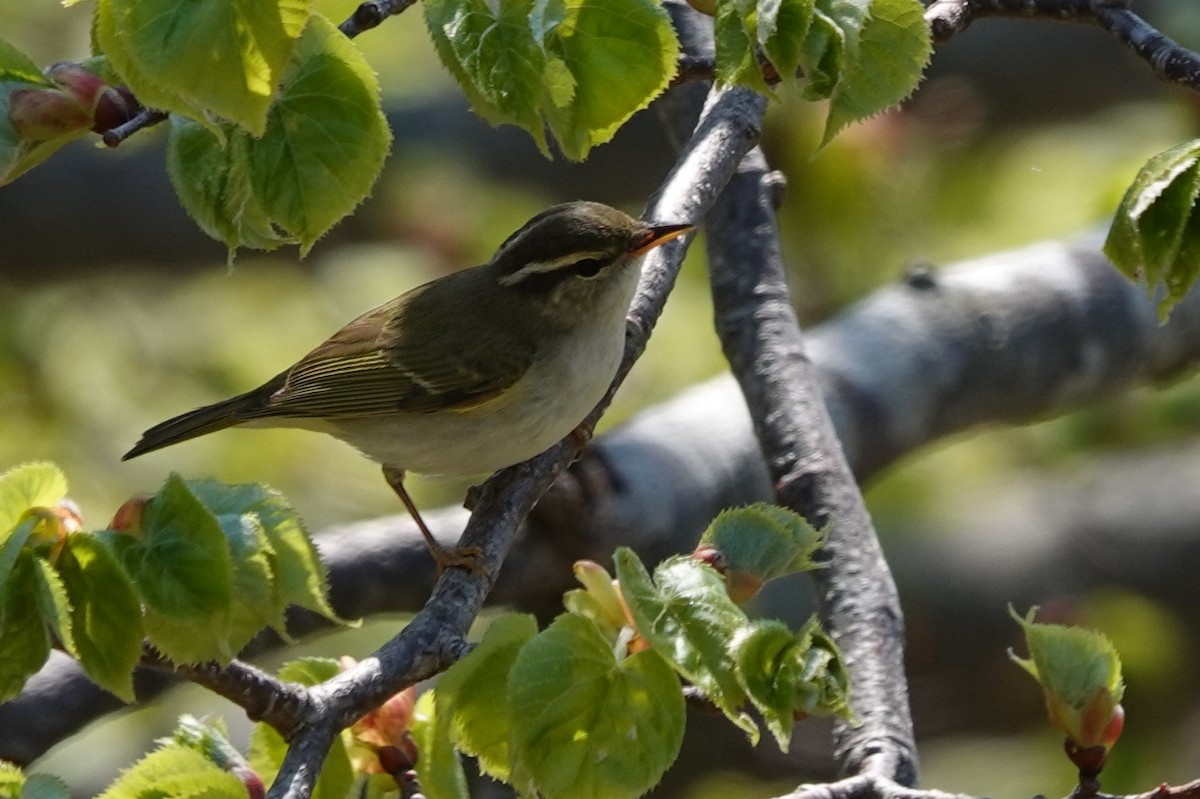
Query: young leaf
x=42, y=786
x=605, y=61
x=11, y=777
x=686, y=616
x=52, y=603
x=492, y=51
x=109, y=40
x=438, y=769
x=24, y=642
x=1080, y=672
x=106, y=616
x=175, y=771
x=582, y=67
x=225, y=56
x=587, y=725
x=1155, y=235
x=30, y=485
x=210, y=172
x=759, y=543
x=299, y=576
x=182, y=567
x=787, y=674
x=470, y=695
x=887, y=47
x=325, y=138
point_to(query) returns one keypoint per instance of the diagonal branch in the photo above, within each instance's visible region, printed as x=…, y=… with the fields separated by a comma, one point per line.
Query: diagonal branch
x=1170, y=60
x=857, y=598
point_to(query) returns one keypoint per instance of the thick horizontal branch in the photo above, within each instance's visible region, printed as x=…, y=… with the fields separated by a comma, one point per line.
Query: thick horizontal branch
x=1170, y=60
x=1008, y=339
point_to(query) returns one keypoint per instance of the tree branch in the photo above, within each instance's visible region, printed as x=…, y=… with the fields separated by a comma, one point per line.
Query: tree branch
x=371, y=14
x=857, y=598
x=1170, y=60
x=264, y=697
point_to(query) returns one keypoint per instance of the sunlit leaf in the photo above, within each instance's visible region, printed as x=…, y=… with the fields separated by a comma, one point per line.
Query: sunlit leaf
x=105, y=612
x=687, y=616
x=470, y=695
x=182, y=567
x=587, y=725
x=24, y=641
x=1155, y=235
x=225, y=56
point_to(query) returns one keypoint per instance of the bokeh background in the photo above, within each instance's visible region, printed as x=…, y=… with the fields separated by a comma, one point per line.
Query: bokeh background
x=115, y=313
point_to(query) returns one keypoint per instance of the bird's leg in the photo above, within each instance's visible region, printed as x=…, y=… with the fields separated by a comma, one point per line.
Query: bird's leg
x=469, y=558
x=582, y=436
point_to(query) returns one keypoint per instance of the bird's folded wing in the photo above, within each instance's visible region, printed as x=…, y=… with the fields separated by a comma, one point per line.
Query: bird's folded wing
x=387, y=361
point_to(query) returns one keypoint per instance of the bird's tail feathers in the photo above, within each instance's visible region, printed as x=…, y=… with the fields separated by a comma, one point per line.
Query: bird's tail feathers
x=195, y=423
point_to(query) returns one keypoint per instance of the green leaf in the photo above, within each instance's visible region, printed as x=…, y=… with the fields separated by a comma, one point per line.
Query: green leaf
x=439, y=770
x=782, y=28
x=253, y=579
x=30, y=485
x=1155, y=235
x=106, y=615
x=309, y=671
x=52, y=602
x=225, y=56
x=470, y=695
x=211, y=176
x=887, y=45
x=759, y=543
x=583, y=68
x=786, y=674
x=13, y=546
x=182, y=567
x=617, y=55
x=175, y=771
x=299, y=575
x=686, y=615
x=11, y=780
x=326, y=137
x=774, y=28
x=491, y=50
x=16, y=66
x=587, y=725
x=1080, y=672
x=109, y=31
x=736, y=44
x=24, y=642
x=43, y=786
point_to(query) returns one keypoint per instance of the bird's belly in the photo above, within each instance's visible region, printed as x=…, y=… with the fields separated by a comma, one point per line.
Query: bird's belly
x=532, y=415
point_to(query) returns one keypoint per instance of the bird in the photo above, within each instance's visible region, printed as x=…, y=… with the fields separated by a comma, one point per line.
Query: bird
x=471, y=372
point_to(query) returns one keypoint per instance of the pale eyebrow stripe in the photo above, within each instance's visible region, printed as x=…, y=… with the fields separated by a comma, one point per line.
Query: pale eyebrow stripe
x=542, y=267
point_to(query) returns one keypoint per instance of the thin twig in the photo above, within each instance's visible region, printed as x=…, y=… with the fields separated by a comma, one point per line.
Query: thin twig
x=1170, y=60
x=146, y=118
x=264, y=697
x=371, y=14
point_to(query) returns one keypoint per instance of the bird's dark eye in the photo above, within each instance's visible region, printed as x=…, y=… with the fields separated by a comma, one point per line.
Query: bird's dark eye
x=588, y=267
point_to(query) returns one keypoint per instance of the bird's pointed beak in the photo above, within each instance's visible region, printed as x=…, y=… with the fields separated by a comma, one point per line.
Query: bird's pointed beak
x=659, y=234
